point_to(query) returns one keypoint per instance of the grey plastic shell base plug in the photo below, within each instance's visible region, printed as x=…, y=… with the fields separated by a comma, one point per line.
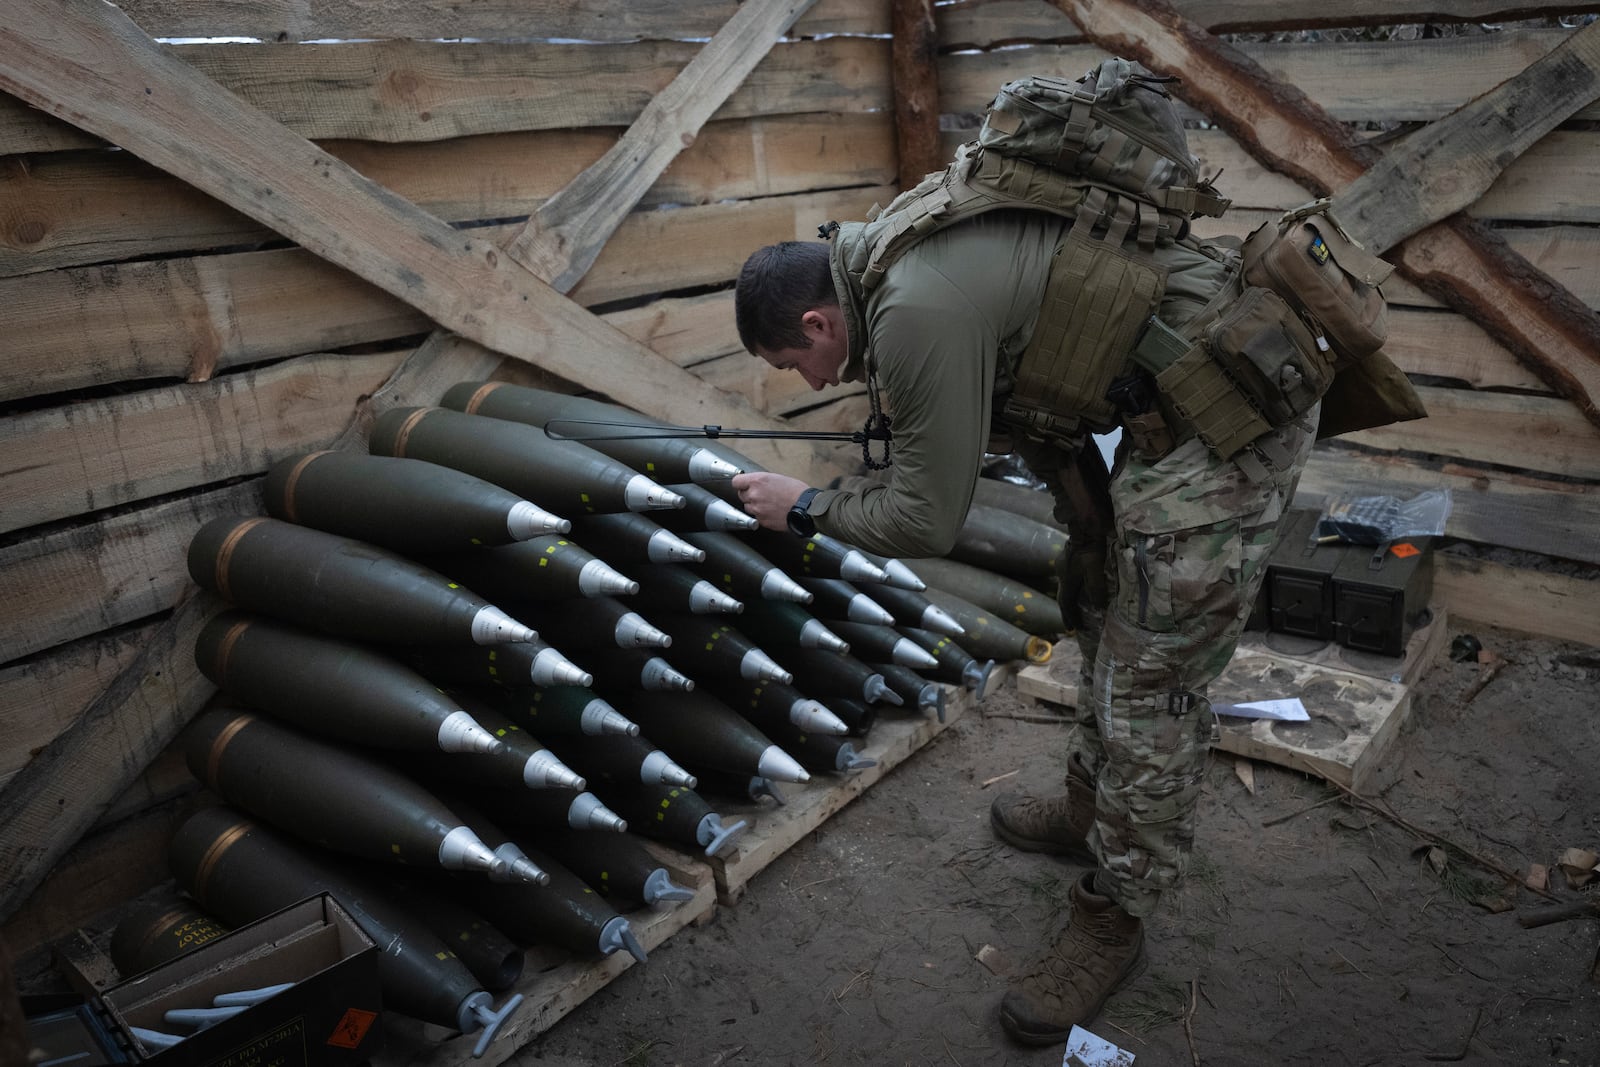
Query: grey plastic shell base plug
x=476, y=1012
x=659, y=886
x=714, y=835
x=618, y=933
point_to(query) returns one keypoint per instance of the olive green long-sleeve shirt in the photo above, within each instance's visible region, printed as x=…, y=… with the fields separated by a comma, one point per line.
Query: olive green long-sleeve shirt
x=934, y=331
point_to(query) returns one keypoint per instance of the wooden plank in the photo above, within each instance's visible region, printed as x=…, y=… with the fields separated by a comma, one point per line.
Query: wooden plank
x=773, y=391
x=70, y=583
x=186, y=318
x=553, y=991
x=90, y=52
x=986, y=23
x=177, y=318
x=614, y=21
x=1447, y=345
x=1448, y=165
x=418, y=90
x=104, y=872
x=695, y=246
x=566, y=233
x=563, y=238
x=1056, y=681
x=1354, y=719
x=1529, y=514
x=892, y=740
x=1365, y=81
x=60, y=462
x=166, y=778
x=42, y=696
x=64, y=790
x=1534, y=433
x=687, y=330
x=1518, y=598
x=842, y=413
x=82, y=208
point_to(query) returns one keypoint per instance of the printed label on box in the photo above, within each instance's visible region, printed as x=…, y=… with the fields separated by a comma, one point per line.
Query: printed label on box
x=283, y=1047
x=352, y=1028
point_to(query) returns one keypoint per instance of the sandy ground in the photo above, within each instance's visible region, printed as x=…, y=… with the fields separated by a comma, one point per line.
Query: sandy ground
x=1305, y=935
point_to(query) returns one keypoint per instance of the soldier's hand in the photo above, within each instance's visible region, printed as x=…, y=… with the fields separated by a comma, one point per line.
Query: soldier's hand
x=768, y=496
x=1082, y=574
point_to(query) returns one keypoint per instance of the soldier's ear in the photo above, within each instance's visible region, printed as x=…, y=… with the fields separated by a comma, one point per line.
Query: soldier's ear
x=822, y=323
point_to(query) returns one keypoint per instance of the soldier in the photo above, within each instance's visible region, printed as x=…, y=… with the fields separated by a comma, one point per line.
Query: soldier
x=1163, y=561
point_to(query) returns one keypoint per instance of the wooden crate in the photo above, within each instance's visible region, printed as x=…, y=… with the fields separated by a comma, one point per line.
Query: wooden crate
x=1358, y=702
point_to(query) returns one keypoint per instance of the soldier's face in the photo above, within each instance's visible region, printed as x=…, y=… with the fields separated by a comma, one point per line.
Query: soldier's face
x=821, y=363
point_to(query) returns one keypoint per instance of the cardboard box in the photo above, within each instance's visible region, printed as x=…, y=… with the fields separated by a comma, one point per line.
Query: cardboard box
x=326, y=1019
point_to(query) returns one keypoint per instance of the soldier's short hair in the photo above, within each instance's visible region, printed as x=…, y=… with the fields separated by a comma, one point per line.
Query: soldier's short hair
x=778, y=284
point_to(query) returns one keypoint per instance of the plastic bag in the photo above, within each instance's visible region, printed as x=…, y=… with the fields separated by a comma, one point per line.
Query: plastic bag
x=1376, y=520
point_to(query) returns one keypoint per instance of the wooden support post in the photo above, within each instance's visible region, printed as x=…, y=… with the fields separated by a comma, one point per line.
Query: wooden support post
x=916, y=90
x=1459, y=261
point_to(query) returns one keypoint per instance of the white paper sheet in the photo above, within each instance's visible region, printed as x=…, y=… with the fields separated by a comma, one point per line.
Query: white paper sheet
x=1290, y=710
x=1086, y=1050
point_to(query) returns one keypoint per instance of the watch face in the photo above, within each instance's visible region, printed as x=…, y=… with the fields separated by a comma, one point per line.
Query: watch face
x=801, y=524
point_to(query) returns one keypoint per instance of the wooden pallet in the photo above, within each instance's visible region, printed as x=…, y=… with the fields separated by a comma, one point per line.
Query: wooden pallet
x=892, y=740
x=555, y=983
x=1358, y=702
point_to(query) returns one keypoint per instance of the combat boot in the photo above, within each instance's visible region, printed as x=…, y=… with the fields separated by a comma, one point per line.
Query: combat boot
x=1058, y=824
x=1101, y=948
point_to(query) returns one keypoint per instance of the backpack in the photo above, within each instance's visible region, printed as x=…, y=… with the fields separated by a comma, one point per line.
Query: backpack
x=1115, y=126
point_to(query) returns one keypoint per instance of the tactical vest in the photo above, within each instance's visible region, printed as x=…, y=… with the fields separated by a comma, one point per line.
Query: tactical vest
x=1110, y=276
x=1131, y=298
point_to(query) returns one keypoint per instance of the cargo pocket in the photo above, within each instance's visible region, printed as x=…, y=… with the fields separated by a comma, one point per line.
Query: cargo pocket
x=1144, y=580
x=1166, y=578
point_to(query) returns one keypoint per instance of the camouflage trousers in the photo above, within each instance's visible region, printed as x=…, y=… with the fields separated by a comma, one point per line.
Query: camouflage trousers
x=1186, y=558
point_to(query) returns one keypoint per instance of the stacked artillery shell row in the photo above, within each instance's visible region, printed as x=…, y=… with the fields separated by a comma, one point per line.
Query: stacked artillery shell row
x=457, y=670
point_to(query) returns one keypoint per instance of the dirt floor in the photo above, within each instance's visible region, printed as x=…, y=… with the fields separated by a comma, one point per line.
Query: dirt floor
x=1305, y=934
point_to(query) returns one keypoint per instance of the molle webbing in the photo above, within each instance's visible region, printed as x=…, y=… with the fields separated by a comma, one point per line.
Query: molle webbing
x=980, y=181
x=1099, y=295
x=1198, y=389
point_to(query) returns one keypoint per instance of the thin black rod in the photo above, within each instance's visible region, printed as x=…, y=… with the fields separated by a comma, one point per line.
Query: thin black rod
x=645, y=433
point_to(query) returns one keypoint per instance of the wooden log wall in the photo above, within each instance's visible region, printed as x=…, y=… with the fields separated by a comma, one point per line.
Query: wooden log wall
x=164, y=349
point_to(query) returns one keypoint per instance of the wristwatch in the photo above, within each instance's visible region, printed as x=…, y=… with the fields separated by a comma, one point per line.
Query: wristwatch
x=801, y=524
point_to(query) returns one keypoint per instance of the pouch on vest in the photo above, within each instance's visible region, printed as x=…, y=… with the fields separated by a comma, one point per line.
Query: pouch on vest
x=1270, y=354
x=1306, y=258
